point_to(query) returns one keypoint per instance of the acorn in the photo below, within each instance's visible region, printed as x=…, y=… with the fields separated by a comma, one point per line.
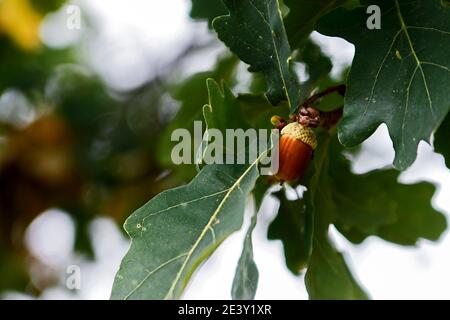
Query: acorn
x=296, y=147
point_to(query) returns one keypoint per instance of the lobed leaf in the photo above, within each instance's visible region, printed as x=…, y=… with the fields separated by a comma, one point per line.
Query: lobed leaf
x=207, y=9
x=254, y=31
x=372, y=204
x=289, y=227
x=328, y=276
x=245, y=280
x=179, y=228
x=303, y=15
x=400, y=74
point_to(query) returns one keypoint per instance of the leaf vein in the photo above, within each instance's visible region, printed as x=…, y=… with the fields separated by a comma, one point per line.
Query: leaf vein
x=404, y=28
x=150, y=273
x=407, y=105
x=372, y=91
x=208, y=225
x=183, y=204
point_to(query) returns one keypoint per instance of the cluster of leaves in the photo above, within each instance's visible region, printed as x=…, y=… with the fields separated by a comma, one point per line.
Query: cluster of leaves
x=104, y=161
x=399, y=76
x=86, y=153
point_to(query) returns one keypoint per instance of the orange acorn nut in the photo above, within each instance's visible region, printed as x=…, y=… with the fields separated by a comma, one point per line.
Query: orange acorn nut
x=296, y=147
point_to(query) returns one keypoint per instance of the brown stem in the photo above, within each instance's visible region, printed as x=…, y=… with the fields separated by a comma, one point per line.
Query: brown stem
x=339, y=89
x=330, y=119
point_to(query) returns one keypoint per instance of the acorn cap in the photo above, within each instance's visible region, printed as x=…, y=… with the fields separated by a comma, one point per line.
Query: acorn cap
x=299, y=132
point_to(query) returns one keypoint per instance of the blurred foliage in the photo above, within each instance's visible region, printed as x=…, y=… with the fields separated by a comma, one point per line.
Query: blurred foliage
x=83, y=148
x=29, y=71
x=35, y=163
x=45, y=6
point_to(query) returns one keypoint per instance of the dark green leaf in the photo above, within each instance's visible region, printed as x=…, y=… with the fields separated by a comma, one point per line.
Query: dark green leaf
x=400, y=75
x=289, y=227
x=178, y=229
x=303, y=15
x=380, y=206
x=259, y=192
x=245, y=280
x=223, y=111
x=442, y=140
x=328, y=276
x=257, y=110
x=193, y=96
x=318, y=65
x=254, y=30
x=207, y=9
x=375, y=203
x=371, y=204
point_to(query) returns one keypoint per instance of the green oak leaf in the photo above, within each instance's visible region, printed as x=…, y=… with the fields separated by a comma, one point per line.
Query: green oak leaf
x=178, y=229
x=246, y=277
x=245, y=280
x=226, y=111
x=390, y=212
x=328, y=277
x=318, y=66
x=303, y=15
x=192, y=95
x=375, y=203
x=400, y=74
x=289, y=227
x=359, y=205
x=207, y=9
x=441, y=140
x=254, y=31
x=257, y=110
x=223, y=111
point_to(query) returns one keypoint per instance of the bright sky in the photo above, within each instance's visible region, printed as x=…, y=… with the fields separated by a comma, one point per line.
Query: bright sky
x=135, y=37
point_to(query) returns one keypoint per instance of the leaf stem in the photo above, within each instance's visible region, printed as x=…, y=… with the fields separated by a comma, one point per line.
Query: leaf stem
x=339, y=89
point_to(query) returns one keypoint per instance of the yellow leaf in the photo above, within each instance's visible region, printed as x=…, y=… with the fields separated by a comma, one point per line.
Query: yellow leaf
x=20, y=22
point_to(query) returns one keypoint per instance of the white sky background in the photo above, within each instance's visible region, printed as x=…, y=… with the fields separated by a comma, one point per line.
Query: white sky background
x=136, y=37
